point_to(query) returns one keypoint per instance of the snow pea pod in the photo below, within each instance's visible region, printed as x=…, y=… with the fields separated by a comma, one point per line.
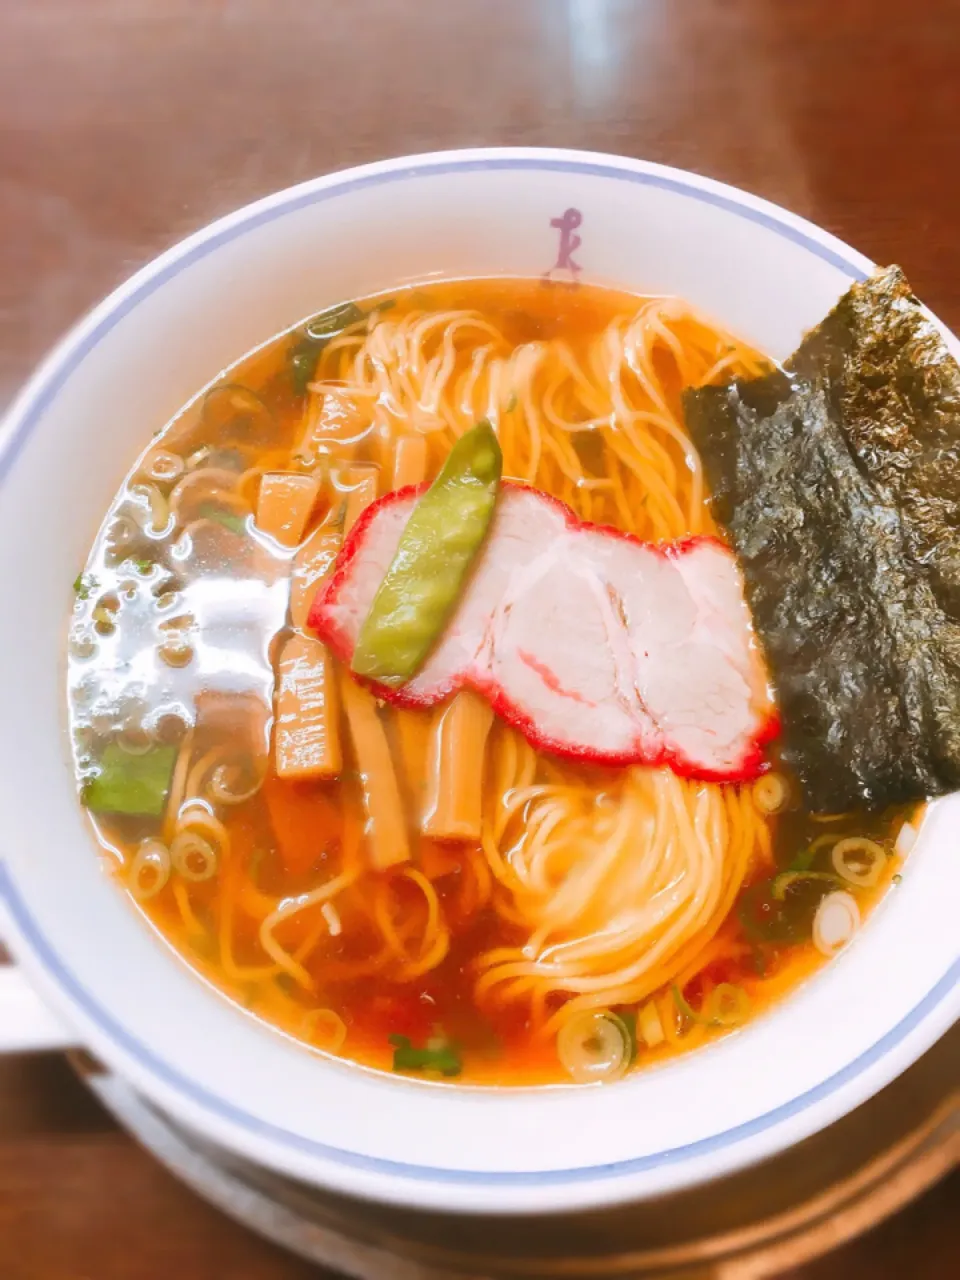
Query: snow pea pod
x=421, y=588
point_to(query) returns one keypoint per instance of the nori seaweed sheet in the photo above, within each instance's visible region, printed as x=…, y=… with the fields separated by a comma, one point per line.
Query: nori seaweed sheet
x=838, y=482
x=895, y=392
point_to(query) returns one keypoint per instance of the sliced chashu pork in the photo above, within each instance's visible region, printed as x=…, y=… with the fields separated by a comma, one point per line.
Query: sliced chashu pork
x=596, y=645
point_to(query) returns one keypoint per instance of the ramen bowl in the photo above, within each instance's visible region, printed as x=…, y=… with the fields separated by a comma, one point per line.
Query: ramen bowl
x=66, y=444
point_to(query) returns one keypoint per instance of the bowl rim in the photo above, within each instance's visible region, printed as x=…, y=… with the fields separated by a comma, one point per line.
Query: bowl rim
x=375, y=1176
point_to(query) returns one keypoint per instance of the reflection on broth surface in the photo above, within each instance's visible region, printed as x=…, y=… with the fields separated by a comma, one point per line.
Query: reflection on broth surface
x=424, y=889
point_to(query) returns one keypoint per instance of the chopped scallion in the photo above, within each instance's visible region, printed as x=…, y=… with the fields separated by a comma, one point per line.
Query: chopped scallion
x=236, y=524
x=629, y=1019
x=804, y=860
x=687, y=1010
x=406, y=1057
x=83, y=585
x=727, y=1006
x=782, y=882
x=103, y=615
x=315, y=335
x=327, y=324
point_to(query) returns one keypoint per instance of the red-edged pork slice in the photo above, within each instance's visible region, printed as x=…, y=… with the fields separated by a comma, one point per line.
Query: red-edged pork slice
x=596, y=645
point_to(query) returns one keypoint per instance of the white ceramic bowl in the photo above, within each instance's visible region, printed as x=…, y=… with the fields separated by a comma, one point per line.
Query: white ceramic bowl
x=65, y=447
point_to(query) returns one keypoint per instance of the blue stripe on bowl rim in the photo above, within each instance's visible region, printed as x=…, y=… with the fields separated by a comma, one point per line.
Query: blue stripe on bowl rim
x=38, y=398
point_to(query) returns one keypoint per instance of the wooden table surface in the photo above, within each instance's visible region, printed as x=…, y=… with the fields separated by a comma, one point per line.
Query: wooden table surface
x=125, y=124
